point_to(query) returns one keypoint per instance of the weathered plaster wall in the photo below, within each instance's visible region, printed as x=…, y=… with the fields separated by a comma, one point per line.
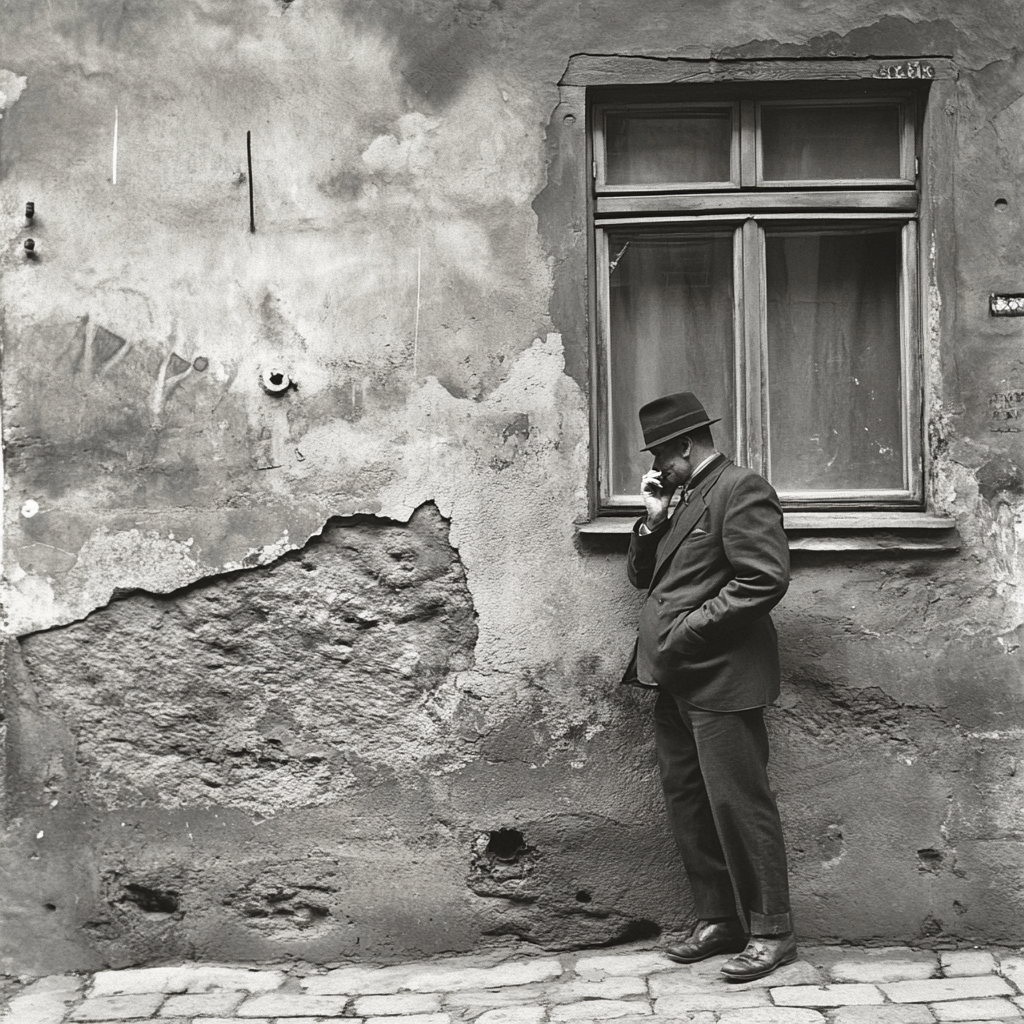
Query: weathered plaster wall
x=328, y=674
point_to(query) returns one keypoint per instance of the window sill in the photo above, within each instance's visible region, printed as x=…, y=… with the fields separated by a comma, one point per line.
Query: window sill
x=828, y=531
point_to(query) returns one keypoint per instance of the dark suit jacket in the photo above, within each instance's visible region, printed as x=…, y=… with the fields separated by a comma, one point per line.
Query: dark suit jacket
x=713, y=573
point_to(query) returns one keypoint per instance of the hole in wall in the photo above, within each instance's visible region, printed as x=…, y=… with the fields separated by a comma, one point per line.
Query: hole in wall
x=929, y=859
x=49, y=906
x=1000, y=205
x=583, y=896
x=502, y=860
x=506, y=844
x=639, y=931
x=152, y=901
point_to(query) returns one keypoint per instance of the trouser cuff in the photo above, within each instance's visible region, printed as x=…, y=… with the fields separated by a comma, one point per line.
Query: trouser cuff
x=770, y=924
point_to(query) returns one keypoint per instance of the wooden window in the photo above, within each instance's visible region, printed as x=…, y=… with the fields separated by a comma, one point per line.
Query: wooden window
x=760, y=250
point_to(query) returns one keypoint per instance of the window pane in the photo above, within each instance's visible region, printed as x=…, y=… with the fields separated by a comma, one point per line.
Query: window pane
x=834, y=358
x=842, y=142
x=658, y=147
x=671, y=321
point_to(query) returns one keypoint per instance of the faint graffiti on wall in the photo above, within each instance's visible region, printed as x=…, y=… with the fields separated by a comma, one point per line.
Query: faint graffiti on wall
x=97, y=350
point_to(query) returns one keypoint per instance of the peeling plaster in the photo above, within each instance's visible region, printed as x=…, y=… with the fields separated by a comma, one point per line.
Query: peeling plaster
x=11, y=87
x=445, y=457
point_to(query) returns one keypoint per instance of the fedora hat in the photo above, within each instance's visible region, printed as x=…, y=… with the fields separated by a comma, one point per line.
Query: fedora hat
x=668, y=417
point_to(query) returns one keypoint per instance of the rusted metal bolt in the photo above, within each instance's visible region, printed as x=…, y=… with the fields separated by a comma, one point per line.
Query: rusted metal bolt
x=30, y=248
x=30, y=210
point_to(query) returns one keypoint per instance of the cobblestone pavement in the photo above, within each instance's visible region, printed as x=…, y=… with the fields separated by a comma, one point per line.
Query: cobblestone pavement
x=627, y=985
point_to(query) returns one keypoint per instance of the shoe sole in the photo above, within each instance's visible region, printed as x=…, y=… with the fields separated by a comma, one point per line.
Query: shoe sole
x=792, y=958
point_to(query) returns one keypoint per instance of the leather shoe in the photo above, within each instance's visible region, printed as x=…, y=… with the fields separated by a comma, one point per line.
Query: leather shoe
x=708, y=939
x=763, y=954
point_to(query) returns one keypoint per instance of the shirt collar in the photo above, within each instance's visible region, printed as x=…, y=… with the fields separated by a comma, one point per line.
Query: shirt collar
x=697, y=473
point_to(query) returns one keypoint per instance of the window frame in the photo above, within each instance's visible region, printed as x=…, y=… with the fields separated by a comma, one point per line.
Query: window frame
x=907, y=121
x=600, y=132
x=746, y=210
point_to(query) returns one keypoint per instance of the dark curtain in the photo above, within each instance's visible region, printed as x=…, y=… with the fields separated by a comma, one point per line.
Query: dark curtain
x=671, y=318
x=834, y=358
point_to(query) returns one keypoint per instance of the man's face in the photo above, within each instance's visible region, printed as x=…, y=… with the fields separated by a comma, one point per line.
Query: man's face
x=672, y=460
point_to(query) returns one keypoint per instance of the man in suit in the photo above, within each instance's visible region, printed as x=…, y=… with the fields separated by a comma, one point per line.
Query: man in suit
x=713, y=571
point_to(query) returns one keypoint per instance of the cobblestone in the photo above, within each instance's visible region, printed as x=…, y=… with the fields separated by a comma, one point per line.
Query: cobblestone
x=646, y=1018
x=683, y=980
x=410, y=1018
x=599, y=1009
x=248, y=1020
x=123, y=1007
x=607, y=988
x=828, y=985
x=722, y=999
x=513, y=1015
x=696, y=977
x=292, y=1004
x=940, y=989
x=902, y=1013
x=773, y=1015
x=517, y=995
x=826, y=995
x=976, y=1009
x=185, y=979
x=311, y=1020
x=647, y=962
x=211, y=1004
x=433, y=978
x=961, y=963
x=881, y=971
x=359, y=980
x=55, y=984
x=454, y=979
x=1012, y=967
x=45, y=1001
x=404, y=1002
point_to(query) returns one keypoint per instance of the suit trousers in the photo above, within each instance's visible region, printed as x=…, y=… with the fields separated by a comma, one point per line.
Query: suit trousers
x=722, y=812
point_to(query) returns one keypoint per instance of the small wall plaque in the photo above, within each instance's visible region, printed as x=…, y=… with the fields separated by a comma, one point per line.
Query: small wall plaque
x=907, y=69
x=1006, y=305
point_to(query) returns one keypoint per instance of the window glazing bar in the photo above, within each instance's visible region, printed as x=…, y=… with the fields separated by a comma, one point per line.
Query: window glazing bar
x=897, y=200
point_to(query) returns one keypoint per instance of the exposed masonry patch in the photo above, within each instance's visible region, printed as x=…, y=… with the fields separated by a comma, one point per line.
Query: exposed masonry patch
x=148, y=903
x=152, y=901
x=531, y=900
x=279, y=906
x=268, y=688
x=500, y=863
